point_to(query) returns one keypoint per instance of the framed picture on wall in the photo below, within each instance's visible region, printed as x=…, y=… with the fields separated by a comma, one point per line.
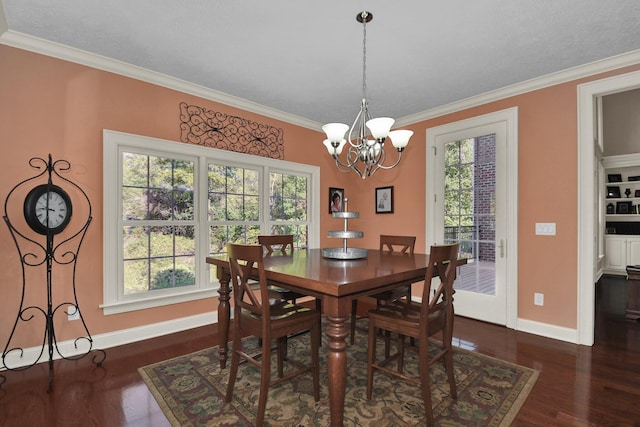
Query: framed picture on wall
x=384, y=200
x=336, y=197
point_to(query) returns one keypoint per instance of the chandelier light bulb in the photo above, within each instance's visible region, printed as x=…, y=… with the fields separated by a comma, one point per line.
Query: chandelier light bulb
x=334, y=151
x=400, y=138
x=380, y=126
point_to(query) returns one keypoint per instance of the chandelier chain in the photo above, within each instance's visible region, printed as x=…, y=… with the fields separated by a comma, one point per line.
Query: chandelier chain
x=364, y=59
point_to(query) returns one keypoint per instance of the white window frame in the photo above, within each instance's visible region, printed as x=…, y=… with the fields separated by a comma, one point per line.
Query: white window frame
x=114, y=143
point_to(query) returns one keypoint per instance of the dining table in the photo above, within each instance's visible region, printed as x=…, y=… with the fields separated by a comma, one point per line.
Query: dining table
x=337, y=282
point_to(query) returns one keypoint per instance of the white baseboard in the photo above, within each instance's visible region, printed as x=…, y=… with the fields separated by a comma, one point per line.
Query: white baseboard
x=16, y=359
x=549, y=331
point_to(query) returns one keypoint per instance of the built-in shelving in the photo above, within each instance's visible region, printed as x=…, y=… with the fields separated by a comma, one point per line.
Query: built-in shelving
x=622, y=173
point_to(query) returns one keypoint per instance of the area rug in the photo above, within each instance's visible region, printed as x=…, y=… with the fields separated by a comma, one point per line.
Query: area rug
x=190, y=390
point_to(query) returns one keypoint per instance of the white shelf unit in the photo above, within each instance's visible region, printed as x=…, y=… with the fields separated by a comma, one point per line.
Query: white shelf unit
x=626, y=166
x=622, y=249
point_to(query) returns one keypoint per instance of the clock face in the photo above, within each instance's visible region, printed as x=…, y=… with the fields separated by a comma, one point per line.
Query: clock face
x=47, y=209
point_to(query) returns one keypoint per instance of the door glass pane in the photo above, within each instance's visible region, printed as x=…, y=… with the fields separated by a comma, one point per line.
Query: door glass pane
x=469, y=214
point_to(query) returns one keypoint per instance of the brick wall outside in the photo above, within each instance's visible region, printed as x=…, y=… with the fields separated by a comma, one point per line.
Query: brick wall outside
x=484, y=195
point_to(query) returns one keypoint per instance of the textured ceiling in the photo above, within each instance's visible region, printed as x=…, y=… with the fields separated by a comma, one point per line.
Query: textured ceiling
x=305, y=57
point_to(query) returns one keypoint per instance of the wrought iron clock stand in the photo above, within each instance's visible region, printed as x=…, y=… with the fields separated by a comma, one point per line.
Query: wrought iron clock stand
x=48, y=220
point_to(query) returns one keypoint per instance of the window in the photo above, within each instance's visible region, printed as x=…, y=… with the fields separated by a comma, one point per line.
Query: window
x=288, y=206
x=168, y=205
x=158, y=236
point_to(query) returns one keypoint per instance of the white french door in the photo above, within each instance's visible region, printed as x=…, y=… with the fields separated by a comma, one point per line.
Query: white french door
x=472, y=199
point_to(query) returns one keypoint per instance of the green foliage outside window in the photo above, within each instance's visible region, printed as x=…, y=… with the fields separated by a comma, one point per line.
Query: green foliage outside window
x=157, y=189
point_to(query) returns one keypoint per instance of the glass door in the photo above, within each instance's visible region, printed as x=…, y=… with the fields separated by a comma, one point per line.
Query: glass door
x=469, y=210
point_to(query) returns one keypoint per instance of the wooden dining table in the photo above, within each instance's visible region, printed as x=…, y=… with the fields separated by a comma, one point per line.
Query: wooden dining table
x=336, y=282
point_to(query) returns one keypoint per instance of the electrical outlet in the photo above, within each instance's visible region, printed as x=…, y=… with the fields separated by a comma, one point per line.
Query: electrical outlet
x=73, y=312
x=538, y=299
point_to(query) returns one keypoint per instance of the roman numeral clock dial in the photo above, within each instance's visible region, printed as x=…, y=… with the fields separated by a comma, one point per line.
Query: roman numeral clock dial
x=47, y=209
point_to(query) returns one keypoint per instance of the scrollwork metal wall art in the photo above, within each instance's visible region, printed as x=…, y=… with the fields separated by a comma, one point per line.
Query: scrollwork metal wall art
x=219, y=130
x=40, y=255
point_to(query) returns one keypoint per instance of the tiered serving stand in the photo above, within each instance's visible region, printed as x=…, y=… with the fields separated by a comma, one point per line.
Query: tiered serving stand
x=345, y=234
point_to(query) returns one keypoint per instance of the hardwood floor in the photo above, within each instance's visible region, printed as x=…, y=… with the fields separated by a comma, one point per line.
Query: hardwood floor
x=578, y=385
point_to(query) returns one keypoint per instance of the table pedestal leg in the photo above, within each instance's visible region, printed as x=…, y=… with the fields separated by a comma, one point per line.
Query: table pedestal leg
x=223, y=315
x=337, y=368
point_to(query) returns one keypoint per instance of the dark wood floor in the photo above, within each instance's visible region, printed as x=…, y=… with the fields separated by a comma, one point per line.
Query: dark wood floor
x=578, y=385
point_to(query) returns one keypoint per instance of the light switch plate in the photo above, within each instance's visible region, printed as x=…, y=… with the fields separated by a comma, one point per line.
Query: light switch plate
x=545, y=228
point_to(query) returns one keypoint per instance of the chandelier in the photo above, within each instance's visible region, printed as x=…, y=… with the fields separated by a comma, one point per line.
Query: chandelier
x=364, y=156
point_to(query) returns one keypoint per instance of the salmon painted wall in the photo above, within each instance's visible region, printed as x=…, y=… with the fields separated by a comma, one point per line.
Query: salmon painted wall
x=547, y=192
x=52, y=106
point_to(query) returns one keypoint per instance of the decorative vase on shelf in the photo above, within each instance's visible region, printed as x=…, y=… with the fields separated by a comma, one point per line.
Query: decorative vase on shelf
x=627, y=192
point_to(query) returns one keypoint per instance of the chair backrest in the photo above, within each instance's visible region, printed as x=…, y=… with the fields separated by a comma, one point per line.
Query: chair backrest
x=243, y=259
x=277, y=242
x=397, y=243
x=442, y=264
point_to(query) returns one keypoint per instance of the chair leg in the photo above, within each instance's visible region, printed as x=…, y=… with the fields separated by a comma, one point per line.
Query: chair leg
x=387, y=344
x=354, y=315
x=315, y=360
x=319, y=310
x=448, y=360
x=448, y=366
x=281, y=348
x=371, y=352
x=235, y=361
x=400, y=353
x=265, y=378
x=425, y=381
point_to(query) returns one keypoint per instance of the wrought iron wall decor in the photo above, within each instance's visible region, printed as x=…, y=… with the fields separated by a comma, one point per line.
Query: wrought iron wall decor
x=46, y=210
x=219, y=130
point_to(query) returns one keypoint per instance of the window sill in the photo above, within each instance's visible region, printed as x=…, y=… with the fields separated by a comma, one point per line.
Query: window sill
x=158, y=301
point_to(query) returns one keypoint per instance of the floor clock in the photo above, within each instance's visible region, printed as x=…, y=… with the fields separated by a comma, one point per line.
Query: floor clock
x=48, y=237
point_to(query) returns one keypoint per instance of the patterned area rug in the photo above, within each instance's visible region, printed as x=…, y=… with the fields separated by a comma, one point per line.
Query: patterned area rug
x=190, y=390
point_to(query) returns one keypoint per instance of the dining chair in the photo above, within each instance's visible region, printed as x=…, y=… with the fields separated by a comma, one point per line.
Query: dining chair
x=283, y=244
x=420, y=321
x=258, y=315
x=280, y=244
x=402, y=244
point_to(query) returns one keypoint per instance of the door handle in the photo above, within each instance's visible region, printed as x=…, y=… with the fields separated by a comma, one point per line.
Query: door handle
x=501, y=246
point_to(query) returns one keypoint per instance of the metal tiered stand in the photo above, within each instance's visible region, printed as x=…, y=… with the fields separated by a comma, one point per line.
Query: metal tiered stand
x=345, y=234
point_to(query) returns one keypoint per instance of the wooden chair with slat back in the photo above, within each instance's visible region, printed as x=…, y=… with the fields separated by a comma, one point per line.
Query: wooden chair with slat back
x=420, y=321
x=401, y=244
x=282, y=244
x=256, y=314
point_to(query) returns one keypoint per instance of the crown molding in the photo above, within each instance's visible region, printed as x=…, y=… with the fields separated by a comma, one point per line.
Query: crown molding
x=67, y=53
x=570, y=74
x=78, y=56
